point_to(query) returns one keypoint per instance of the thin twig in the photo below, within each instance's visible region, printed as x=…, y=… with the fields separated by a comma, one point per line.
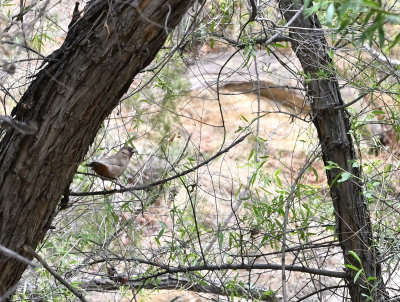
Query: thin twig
x=362, y=94
x=77, y=293
x=15, y=255
x=278, y=33
x=260, y=41
x=181, y=155
x=244, y=266
x=309, y=160
x=381, y=57
x=320, y=291
x=162, y=181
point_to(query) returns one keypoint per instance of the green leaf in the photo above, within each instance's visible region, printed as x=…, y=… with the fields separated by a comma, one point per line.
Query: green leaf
x=331, y=54
x=371, y=4
x=343, y=8
x=220, y=239
x=309, y=11
x=161, y=232
x=345, y=176
x=333, y=164
x=344, y=23
x=329, y=13
x=277, y=178
x=388, y=168
x=395, y=41
x=315, y=173
x=212, y=26
x=355, y=256
x=278, y=45
x=357, y=275
x=368, y=16
x=265, y=239
x=352, y=267
x=381, y=36
x=114, y=216
x=378, y=112
x=251, y=154
x=269, y=293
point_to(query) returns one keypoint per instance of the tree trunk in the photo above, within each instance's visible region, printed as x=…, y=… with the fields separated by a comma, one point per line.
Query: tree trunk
x=353, y=225
x=69, y=99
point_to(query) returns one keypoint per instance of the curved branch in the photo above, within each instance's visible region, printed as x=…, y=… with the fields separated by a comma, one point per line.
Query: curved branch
x=162, y=181
x=380, y=57
x=221, y=267
x=73, y=290
x=263, y=266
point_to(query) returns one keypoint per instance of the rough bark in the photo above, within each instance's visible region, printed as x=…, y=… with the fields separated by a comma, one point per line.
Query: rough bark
x=69, y=99
x=353, y=225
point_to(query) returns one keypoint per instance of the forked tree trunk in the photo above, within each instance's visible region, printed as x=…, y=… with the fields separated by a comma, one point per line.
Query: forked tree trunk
x=69, y=99
x=353, y=225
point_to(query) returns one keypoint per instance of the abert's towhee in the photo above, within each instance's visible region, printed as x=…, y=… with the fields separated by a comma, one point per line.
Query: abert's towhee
x=115, y=165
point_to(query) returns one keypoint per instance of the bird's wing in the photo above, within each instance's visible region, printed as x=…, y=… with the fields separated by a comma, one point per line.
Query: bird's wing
x=113, y=160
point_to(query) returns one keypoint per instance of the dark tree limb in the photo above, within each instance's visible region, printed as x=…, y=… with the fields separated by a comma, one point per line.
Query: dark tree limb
x=330, y=288
x=353, y=225
x=249, y=266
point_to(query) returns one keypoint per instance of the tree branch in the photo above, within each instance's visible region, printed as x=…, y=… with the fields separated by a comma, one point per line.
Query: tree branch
x=320, y=291
x=253, y=11
x=170, y=282
x=253, y=266
x=260, y=41
x=210, y=267
x=362, y=94
x=15, y=255
x=77, y=293
x=162, y=181
x=380, y=57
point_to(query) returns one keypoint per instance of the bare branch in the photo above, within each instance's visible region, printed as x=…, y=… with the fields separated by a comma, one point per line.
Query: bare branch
x=253, y=10
x=309, y=160
x=12, y=254
x=162, y=181
x=320, y=291
x=221, y=267
x=380, y=57
x=77, y=293
x=7, y=122
x=251, y=266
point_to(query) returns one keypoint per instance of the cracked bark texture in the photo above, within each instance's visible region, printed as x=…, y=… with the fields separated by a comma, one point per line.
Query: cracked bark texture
x=69, y=99
x=353, y=225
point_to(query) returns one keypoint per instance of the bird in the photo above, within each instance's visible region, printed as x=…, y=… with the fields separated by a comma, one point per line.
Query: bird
x=113, y=166
x=75, y=15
